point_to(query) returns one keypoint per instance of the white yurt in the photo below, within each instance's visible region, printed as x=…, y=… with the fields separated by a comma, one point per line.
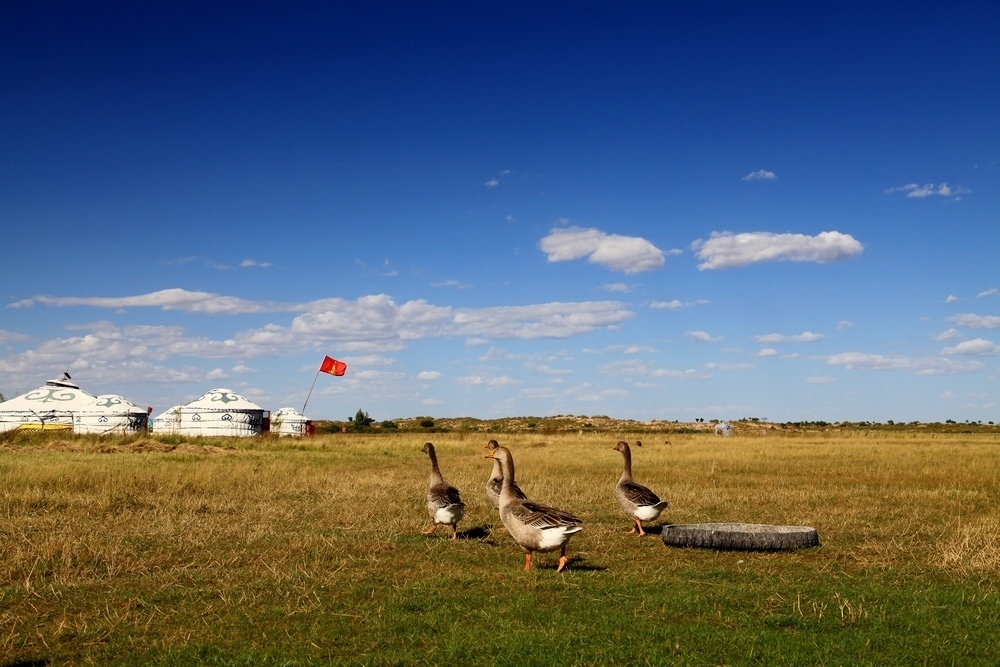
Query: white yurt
x=289, y=421
x=222, y=412
x=50, y=407
x=110, y=413
x=167, y=422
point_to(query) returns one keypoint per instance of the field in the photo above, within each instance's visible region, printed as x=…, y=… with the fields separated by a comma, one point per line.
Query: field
x=296, y=552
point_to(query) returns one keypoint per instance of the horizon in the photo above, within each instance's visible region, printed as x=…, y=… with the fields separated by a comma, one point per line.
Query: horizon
x=659, y=212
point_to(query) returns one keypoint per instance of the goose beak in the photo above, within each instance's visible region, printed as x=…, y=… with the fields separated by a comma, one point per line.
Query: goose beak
x=489, y=454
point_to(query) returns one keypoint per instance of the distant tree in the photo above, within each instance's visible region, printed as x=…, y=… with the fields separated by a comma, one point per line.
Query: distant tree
x=388, y=423
x=361, y=418
x=427, y=423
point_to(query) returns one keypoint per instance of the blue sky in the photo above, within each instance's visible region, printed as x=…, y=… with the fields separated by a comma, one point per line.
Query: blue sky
x=642, y=210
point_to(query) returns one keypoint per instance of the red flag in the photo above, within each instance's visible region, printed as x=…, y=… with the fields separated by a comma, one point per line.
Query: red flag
x=332, y=366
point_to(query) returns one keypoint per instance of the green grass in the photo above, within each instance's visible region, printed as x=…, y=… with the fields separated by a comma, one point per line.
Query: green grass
x=298, y=552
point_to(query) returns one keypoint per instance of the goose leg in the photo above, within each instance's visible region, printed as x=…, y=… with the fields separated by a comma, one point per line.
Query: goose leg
x=454, y=531
x=431, y=530
x=527, y=562
x=562, y=559
x=638, y=524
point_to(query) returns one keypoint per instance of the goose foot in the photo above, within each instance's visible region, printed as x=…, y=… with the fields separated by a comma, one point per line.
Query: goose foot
x=638, y=525
x=562, y=563
x=527, y=562
x=430, y=531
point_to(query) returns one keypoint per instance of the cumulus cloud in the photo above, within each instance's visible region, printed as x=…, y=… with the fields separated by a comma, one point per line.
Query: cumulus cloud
x=952, y=298
x=993, y=291
x=429, y=375
x=727, y=250
x=844, y=324
x=971, y=321
x=920, y=366
x=676, y=304
x=977, y=347
x=701, y=337
x=804, y=337
x=628, y=254
x=914, y=191
x=767, y=352
x=761, y=175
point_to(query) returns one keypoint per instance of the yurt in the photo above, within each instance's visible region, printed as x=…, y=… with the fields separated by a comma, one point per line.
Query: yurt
x=167, y=422
x=50, y=407
x=110, y=413
x=289, y=421
x=723, y=429
x=222, y=412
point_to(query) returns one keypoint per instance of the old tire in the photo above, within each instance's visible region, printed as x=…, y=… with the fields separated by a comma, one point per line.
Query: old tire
x=740, y=536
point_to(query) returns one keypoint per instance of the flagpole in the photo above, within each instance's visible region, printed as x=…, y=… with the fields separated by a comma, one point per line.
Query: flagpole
x=310, y=393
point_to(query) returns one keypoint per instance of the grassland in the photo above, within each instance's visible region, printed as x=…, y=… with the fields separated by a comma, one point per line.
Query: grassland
x=296, y=552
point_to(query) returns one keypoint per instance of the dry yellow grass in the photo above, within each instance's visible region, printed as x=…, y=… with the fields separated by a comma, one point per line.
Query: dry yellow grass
x=110, y=545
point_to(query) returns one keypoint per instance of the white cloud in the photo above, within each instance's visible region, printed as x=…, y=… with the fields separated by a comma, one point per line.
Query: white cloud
x=627, y=254
x=11, y=337
x=492, y=183
x=713, y=366
x=761, y=175
x=429, y=375
x=978, y=347
x=253, y=263
x=993, y=291
x=914, y=191
x=767, y=352
x=616, y=287
x=486, y=381
x=844, y=324
x=952, y=298
x=701, y=337
x=971, y=321
x=457, y=284
x=727, y=250
x=804, y=337
x=170, y=299
x=637, y=368
x=950, y=334
x=676, y=304
x=920, y=366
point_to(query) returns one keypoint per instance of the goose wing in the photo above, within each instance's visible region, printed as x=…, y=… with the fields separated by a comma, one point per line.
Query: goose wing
x=444, y=495
x=538, y=515
x=641, y=495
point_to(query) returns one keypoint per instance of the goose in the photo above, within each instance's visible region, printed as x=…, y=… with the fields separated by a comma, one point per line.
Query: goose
x=444, y=505
x=638, y=502
x=534, y=526
x=495, y=482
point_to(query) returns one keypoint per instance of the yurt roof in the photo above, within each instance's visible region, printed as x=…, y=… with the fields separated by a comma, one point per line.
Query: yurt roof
x=54, y=395
x=287, y=412
x=222, y=399
x=115, y=403
x=170, y=412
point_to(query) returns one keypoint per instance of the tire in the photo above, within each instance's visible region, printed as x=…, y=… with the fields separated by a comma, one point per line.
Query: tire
x=740, y=536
